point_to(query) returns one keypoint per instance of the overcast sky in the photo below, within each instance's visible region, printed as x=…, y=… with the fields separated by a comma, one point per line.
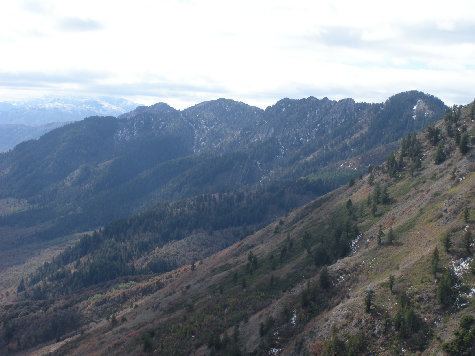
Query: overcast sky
x=257, y=51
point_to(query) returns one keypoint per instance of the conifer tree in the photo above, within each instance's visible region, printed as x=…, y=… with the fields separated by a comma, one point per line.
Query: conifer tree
x=324, y=279
x=446, y=242
x=252, y=263
x=349, y=207
x=391, y=283
x=433, y=134
x=377, y=193
x=406, y=321
x=371, y=178
x=449, y=129
x=400, y=162
x=439, y=154
x=466, y=214
x=385, y=195
x=380, y=235
x=446, y=293
x=435, y=262
x=374, y=208
x=21, y=286
x=391, y=165
x=467, y=242
x=391, y=236
x=464, y=144
x=368, y=300
x=458, y=137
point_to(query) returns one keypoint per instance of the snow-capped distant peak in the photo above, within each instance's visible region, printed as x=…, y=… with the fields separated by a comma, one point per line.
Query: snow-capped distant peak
x=47, y=109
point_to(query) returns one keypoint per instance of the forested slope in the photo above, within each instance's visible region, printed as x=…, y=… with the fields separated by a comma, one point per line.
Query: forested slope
x=383, y=265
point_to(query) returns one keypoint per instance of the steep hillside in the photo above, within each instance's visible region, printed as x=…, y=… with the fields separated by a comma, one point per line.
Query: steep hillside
x=381, y=266
x=88, y=173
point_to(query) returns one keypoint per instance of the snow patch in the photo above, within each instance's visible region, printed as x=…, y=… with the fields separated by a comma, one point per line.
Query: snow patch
x=293, y=319
x=461, y=266
x=354, y=243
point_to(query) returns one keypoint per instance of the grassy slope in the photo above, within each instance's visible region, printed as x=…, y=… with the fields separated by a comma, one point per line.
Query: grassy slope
x=180, y=309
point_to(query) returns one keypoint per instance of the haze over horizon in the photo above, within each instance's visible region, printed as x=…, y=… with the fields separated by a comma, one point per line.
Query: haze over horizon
x=247, y=51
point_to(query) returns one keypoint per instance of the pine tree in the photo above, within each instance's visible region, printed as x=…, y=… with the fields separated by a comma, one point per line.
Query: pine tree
x=466, y=214
x=464, y=144
x=236, y=333
x=446, y=293
x=349, y=207
x=380, y=235
x=391, y=236
x=406, y=322
x=458, y=137
x=377, y=193
x=147, y=342
x=273, y=262
x=368, y=300
x=252, y=263
x=335, y=346
x=435, y=262
x=433, y=134
x=392, y=165
x=261, y=329
x=371, y=178
x=446, y=242
x=385, y=195
x=450, y=129
x=21, y=286
x=440, y=154
x=400, y=162
x=374, y=208
x=324, y=279
x=391, y=283
x=467, y=242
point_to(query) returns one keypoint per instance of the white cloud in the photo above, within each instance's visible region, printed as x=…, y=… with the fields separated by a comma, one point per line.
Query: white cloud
x=76, y=24
x=183, y=52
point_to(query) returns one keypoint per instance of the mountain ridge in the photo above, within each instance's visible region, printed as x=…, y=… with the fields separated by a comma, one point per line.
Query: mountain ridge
x=88, y=173
x=317, y=280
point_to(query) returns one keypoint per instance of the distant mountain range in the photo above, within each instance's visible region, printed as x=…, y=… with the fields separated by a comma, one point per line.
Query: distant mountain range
x=29, y=119
x=13, y=134
x=88, y=173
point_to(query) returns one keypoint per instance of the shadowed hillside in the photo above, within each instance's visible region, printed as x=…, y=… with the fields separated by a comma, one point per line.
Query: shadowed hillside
x=384, y=263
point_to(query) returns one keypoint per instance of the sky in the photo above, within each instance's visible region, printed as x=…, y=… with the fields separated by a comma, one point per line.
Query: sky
x=257, y=51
